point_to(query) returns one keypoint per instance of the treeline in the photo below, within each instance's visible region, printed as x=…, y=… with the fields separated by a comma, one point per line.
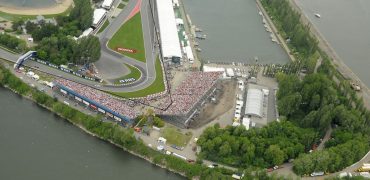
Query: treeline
x=262, y=147
x=62, y=50
x=55, y=42
x=80, y=17
x=319, y=100
x=316, y=103
x=12, y=43
x=300, y=41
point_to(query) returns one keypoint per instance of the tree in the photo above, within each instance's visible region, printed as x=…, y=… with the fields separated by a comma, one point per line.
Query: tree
x=274, y=155
x=289, y=104
x=17, y=25
x=89, y=47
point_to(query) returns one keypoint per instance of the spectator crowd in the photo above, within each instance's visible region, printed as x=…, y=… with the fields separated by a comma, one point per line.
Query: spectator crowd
x=121, y=107
x=179, y=102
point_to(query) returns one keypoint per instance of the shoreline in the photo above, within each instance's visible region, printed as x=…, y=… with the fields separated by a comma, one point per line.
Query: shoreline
x=81, y=127
x=325, y=46
x=95, y=135
x=275, y=31
x=55, y=9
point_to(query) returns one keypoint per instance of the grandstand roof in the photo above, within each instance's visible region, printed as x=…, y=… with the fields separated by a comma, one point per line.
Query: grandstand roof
x=98, y=15
x=254, y=102
x=168, y=31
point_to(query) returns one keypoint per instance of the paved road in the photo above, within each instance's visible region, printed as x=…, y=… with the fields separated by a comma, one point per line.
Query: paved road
x=110, y=65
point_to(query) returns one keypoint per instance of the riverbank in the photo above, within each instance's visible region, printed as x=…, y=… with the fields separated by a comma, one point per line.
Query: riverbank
x=60, y=7
x=341, y=67
x=121, y=137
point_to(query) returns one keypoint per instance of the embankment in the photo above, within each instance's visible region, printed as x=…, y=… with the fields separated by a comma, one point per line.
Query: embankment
x=108, y=131
x=336, y=60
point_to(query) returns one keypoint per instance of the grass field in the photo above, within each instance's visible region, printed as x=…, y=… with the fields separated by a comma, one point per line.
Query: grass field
x=156, y=87
x=14, y=17
x=134, y=73
x=105, y=25
x=130, y=35
x=175, y=137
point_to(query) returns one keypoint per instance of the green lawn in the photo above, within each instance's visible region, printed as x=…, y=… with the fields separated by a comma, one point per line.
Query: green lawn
x=13, y=17
x=134, y=73
x=156, y=87
x=121, y=6
x=130, y=35
x=174, y=136
x=105, y=25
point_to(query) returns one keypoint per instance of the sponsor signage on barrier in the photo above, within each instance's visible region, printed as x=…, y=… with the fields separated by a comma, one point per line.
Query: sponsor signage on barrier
x=117, y=118
x=63, y=91
x=78, y=99
x=126, y=50
x=127, y=80
x=85, y=102
x=109, y=114
x=101, y=110
x=93, y=107
x=67, y=70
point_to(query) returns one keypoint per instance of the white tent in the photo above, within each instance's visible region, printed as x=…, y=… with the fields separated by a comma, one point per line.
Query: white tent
x=170, y=42
x=163, y=140
x=246, y=121
x=98, y=17
x=86, y=32
x=215, y=69
x=254, y=102
x=189, y=53
x=230, y=72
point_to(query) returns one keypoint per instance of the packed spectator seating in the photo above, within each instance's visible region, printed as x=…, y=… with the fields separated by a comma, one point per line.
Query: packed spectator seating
x=188, y=93
x=122, y=107
x=179, y=102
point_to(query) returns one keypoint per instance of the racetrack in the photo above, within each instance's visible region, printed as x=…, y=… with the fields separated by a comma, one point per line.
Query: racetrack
x=110, y=65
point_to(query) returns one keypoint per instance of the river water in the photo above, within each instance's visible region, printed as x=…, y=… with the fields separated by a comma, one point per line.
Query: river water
x=35, y=144
x=234, y=30
x=346, y=26
x=28, y=3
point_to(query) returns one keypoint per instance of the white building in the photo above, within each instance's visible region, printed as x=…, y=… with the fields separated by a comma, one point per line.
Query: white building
x=169, y=38
x=99, y=15
x=254, y=103
x=107, y=4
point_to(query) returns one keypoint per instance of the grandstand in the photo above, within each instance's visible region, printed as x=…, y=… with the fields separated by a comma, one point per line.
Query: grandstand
x=169, y=38
x=97, y=100
x=183, y=103
x=177, y=107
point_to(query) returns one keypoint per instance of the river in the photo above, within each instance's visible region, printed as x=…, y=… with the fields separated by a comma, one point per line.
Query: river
x=28, y=3
x=346, y=26
x=36, y=144
x=235, y=32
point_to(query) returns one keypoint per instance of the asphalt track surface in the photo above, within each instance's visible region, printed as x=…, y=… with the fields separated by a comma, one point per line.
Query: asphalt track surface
x=111, y=63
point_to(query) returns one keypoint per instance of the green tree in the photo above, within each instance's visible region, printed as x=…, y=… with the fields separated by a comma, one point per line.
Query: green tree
x=274, y=155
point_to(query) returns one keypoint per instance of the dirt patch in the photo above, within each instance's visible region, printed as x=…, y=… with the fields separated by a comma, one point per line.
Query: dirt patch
x=225, y=96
